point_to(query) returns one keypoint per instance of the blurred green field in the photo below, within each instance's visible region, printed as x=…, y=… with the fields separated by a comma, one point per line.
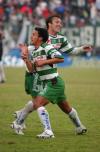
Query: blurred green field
x=83, y=92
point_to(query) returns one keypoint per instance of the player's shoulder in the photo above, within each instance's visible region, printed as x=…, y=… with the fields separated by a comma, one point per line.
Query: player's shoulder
x=46, y=45
x=60, y=34
x=31, y=47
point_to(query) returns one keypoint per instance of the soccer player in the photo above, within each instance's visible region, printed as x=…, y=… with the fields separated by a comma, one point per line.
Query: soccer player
x=2, y=73
x=39, y=37
x=44, y=59
x=58, y=40
x=33, y=85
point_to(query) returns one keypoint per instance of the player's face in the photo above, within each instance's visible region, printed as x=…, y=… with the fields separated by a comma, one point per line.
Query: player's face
x=56, y=25
x=35, y=37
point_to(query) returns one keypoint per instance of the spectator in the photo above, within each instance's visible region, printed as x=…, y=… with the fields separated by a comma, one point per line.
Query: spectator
x=2, y=74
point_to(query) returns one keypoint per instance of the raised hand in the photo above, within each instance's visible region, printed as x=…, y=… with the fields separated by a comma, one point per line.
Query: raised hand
x=87, y=48
x=24, y=51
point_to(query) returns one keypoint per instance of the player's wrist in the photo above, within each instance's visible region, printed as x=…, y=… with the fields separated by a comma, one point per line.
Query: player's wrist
x=26, y=60
x=77, y=50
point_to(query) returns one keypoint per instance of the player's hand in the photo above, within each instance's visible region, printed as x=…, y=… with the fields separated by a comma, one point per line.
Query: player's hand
x=87, y=48
x=24, y=48
x=24, y=51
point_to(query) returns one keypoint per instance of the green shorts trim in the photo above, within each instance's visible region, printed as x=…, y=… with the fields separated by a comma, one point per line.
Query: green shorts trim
x=54, y=90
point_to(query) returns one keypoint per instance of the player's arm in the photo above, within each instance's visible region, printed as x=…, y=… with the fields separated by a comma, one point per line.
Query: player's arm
x=40, y=63
x=54, y=57
x=67, y=48
x=29, y=65
x=84, y=48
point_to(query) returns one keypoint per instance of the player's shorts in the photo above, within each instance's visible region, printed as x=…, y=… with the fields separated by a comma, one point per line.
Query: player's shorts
x=33, y=84
x=54, y=90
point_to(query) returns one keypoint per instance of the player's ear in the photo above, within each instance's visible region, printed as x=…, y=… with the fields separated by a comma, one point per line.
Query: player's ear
x=49, y=24
x=40, y=38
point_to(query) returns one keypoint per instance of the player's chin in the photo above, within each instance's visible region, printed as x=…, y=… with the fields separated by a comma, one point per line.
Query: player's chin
x=58, y=29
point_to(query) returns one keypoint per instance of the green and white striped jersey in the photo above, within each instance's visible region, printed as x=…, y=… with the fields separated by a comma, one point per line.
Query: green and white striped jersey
x=60, y=42
x=44, y=52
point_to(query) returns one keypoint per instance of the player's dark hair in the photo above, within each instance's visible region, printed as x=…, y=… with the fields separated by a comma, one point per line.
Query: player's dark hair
x=42, y=33
x=50, y=18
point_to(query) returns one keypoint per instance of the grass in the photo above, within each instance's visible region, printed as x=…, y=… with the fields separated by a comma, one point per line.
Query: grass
x=83, y=92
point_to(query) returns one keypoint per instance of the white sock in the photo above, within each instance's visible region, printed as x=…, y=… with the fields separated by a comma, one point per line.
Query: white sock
x=23, y=113
x=44, y=117
x=73, y=115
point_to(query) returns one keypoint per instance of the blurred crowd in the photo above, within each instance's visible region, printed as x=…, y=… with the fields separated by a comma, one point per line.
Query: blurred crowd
x=74, y=12
x=17, y=18
x=14, y=14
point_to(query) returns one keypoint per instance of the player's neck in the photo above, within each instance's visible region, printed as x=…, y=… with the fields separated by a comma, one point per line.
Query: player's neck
x=51, y=32
x=38, y=44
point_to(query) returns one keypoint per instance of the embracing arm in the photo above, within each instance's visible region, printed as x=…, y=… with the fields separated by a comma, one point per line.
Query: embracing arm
x=40, y=63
